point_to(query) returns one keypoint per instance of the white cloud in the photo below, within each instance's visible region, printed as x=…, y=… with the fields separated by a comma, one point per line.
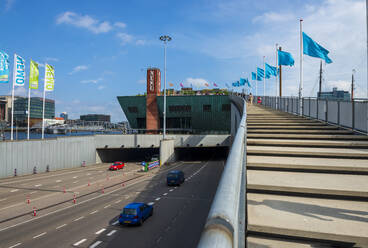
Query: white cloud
x=140, y=42
x=340, y=84
x=9, y=4
x=84, y=21
x=272, y=17
x=120, y=25
x=196, y=82
x=78, y=69
x=101, y=87
x=93, y=81
x=124, y=38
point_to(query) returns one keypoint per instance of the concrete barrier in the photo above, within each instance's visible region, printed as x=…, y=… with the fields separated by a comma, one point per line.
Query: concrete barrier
x=167, y=153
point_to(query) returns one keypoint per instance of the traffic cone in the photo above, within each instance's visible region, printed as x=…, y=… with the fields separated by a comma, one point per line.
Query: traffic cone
x=74, y=201
x=28, y=201
x=34, y=211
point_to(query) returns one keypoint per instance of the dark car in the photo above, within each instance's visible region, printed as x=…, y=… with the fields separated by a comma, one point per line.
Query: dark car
x=135, y=213
x=175, y=177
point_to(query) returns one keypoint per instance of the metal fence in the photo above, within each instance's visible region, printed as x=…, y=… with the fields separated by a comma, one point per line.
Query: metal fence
x=348, y=114
x=225, y=226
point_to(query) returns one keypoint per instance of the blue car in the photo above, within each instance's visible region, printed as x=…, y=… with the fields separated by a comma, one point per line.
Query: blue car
x=135, y=213
x=175, y=177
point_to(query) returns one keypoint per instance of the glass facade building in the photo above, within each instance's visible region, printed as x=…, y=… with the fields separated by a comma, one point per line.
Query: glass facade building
x=21, y=108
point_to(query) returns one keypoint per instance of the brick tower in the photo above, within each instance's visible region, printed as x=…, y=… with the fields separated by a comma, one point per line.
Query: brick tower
x=153, y=90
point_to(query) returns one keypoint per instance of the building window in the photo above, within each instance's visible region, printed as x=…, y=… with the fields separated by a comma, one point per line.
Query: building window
x=206, y=108
x=180, y=108
x=133, y=109
x=225, y=107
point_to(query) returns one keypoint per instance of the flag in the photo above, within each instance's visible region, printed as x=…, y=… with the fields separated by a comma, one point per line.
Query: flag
x=271, y=70
x=241, y=82
x=236, y=84
x=171, y=84
x=260, y=73
x=214, y=84
x=4, y=67
x=33, y=75
x=19, y=71
x=181, y=85
x=49, y=78
x=254, y=76
x=247, y=82
x=285, y=58
x=313, y=49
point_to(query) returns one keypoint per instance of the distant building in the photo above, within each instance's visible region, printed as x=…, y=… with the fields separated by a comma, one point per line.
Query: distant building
x=64, y=115
x=7, y=100
x=334, y=95
x=95, y=117
x=36, y=110
x=2, y=110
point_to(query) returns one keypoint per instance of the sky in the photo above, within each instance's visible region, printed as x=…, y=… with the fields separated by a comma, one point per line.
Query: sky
x=101, y=49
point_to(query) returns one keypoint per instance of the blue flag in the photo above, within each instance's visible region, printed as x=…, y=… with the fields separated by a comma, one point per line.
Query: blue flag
x=236, y=84
x=260, y=73
x=4, y=67
x=271, y=70
x=247, y=81
x=313, y=49
x=285, y=58
x=254, y=76
x=242, y=82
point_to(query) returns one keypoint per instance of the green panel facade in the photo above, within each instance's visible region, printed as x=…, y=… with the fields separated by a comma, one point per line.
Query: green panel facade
x=21, y=108
x=201, y=114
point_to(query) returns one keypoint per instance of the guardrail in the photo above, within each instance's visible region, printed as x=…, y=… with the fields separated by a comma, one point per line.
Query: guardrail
x=344, y=113
x=225, y=225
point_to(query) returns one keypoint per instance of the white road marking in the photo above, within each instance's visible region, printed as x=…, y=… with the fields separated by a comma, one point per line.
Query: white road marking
x=79, y=218
x=93, y=212
x=79, y=242
x=88, y=174
x=118, y=201
x=98, y=232
x=111, y=233
x=58, y=181
x=39, y=235
x=75, y=177
x=127, y=196
x=151, y=203
x=38, y=185
x=33, y=192
x=95, y=244
x=171, y=190
x=157, y=199
x=3, y=199
x=15, y=245
x=107, y=206
x=165, y=193
x=116, y=222
x=14, y=190
x=75, y=181
x=61, y=226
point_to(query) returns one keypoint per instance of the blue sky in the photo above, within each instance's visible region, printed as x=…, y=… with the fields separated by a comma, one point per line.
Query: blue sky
x=100, y=49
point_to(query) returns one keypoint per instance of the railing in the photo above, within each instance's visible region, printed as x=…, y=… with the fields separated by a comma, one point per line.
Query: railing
x=225, y=225
x=348, y=114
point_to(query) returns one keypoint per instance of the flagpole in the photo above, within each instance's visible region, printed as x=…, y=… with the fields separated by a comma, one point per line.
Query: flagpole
x=277, y=69
x=301, y=70
x=29, y=109
x=12, y=113
x=264, y=77
x=43, y=107
x=256, y=82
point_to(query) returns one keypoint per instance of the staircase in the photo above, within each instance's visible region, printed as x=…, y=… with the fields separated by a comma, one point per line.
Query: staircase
x=307, y=182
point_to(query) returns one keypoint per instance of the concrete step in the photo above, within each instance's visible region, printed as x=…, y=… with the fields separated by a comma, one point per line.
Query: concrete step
x=308, y=143
x=302, y=163
x=286, y=124
x=311, y=127
x=282, y=121
x=305, y=217
x=303, y=151
x=308, y=183
x=299, y=131
x=306, y=136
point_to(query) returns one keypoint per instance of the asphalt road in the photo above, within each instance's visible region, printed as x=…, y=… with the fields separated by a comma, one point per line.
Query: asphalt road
x=178, y=219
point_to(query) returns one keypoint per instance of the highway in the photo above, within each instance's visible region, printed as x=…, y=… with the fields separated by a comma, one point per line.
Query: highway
x=178, y=219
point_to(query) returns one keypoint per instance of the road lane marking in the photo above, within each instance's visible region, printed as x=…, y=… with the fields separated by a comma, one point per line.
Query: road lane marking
x=15, y=245
x=79, y=242
x=3, y=199
x=39, y=235
x=165, y=193
x=58, y=181
x=33, y=192
x=61, y=226
x=79, y=218
x=157, y=199
x=14, y=190
x=107, y=206
x=159, y=239
x=75, y=181
x=95, y=244
x=127, y=196
x=98, y=232
x=111, y=233
x=75, y=177
x=93, y=212
x=116, y=222
x=118, y=201
x=38, y=185
x=171, y=190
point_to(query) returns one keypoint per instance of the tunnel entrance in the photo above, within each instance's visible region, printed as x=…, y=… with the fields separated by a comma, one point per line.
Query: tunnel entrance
x=201, y=153
x=126, y=154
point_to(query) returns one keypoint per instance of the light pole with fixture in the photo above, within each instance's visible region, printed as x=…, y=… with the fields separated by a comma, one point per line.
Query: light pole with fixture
x=165, y=39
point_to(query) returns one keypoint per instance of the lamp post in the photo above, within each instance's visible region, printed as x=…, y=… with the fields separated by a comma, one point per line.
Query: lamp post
x=165, y=39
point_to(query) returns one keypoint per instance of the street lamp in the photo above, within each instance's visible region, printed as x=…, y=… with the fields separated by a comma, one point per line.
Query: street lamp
x=165, y=39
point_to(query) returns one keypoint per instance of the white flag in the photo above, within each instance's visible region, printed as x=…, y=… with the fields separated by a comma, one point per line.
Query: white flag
x=19, y=71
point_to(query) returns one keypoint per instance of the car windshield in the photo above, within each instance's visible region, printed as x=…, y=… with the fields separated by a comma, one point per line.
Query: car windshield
x=130, y=211
x=172, y=175
x=116, y=163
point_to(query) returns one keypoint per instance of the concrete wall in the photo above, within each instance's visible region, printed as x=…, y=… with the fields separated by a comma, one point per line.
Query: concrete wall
x=167, y=152
x=58, y=153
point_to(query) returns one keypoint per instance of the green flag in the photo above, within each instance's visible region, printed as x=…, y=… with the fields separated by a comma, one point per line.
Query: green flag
x=49, y=78
x=33, y=76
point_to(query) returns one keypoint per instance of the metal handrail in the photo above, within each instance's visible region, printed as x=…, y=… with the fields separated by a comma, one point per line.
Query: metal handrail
x=226, y=217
